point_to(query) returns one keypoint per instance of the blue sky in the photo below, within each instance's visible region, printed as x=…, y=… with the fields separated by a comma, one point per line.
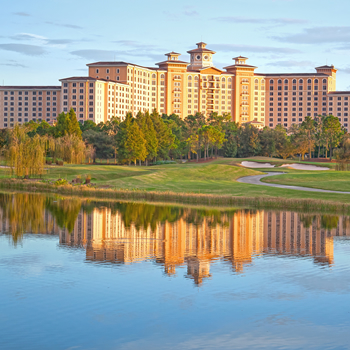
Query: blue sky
x=43, y=41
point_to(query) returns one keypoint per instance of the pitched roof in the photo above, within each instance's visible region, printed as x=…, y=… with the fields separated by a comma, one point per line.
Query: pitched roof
x=172, y=62
x=18, y=87
x=200, y=50
x=240, y=65
x=234, y=58
x=173, y=53
x=292, y=74
x=114, y=63
x=92, y=79
x=339, y=92
x=325, y=67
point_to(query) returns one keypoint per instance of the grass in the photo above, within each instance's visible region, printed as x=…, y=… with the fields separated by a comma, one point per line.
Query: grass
x=335, y=180
x=213, y=181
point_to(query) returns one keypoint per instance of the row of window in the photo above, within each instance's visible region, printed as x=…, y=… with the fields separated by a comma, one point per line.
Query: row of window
x=27, y=93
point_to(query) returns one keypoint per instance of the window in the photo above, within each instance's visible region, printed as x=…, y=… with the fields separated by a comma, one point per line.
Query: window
x=97, y=71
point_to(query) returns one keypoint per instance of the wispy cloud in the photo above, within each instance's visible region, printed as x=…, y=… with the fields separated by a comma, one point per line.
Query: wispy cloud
x=66, y=25
x=134, y=44
x=23, y=14
x=13, y=64
x=318, y=35
x=42, y=39
x=291, y=63
x=29, y=50
x=110, y=55
x=190, y=11
x=345, y=70
x=252, y=48
x=254, y=20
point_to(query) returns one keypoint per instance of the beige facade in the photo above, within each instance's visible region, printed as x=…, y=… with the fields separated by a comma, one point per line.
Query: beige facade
x=184, y=88
x=20, y=104
x=238, y=240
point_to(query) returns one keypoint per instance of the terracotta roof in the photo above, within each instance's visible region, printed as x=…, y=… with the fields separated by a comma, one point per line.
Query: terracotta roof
x=234, y=58
x=173, y=53
x=172, y=62
x=339, y=92
x=30, y=87
x=240, y=65
x=92, y=79
x=114, y=63
x=326, y=66
x=200, y=50
x=292, y=74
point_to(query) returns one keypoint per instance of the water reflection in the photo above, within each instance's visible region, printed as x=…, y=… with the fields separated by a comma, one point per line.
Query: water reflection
x=120, y=233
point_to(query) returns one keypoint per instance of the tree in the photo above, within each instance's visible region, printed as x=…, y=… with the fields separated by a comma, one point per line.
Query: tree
x=334, y=132
x=121, y=138
x=25, y=155
x=230, y=142
x=67, y=124
x=287, y=150
x=164, y=136
x=319, y=120
x=248, y=141
x=103, y=143
x=308, y=125
x=146, y=126
x=272, y=140
x=301, y=143
x=135, y=144
x=71, y=149
x=87, y=125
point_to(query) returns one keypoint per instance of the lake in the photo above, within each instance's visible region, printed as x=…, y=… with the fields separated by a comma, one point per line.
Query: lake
x=87, y=274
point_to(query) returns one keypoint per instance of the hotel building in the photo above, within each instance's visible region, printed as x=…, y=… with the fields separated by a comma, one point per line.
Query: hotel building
x=184, y=88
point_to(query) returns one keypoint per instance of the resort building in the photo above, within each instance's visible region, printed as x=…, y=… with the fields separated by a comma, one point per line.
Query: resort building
x=184, y=88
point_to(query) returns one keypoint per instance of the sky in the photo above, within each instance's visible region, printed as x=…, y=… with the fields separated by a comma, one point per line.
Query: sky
x=44, y=41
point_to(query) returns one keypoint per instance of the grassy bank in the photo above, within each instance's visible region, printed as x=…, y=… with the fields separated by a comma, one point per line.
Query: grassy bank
x=213, y=183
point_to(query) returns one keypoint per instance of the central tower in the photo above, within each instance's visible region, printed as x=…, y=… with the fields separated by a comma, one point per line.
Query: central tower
x=201, y=57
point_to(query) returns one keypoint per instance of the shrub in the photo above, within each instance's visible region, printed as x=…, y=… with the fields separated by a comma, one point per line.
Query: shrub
x=162, y=162
x=61, y=182
x=88, y=179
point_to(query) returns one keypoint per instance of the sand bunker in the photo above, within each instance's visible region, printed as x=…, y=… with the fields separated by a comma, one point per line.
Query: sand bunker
x=257, y=165
x=304, y=167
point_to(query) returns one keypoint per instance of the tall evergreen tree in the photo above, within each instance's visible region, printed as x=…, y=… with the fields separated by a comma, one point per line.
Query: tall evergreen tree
x=164, y=135
x=135, y=144
x=123, y=153
x=67, y=124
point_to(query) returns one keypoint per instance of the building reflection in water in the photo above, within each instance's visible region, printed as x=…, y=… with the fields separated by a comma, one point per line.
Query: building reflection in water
x=237, y=239
x=172, y=236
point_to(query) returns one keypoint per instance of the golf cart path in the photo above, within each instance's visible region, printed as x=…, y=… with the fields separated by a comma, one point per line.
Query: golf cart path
x=255, y=180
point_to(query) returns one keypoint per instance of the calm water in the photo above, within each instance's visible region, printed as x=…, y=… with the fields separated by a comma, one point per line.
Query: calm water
x=84, y=275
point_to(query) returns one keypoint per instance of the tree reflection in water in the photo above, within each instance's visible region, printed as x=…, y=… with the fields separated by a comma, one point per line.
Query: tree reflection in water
x=171, y=235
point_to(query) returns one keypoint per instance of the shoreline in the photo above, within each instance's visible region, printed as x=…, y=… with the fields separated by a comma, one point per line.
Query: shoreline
x=182, y=198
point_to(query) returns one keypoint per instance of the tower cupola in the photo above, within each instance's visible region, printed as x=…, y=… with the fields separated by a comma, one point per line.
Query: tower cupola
x=201, y=57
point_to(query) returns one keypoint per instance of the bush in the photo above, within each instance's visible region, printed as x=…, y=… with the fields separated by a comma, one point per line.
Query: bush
x=162, y=162
x=88, y=179
x=61, y=182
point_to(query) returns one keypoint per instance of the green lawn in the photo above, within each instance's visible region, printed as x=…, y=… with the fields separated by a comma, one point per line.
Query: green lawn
x=327, y=180
x=217, y=177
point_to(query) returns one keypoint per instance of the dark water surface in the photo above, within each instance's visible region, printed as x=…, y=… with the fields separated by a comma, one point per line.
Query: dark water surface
x=78, y=274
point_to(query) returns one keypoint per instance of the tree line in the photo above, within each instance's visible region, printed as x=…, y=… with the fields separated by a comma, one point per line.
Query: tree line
x=150, y=137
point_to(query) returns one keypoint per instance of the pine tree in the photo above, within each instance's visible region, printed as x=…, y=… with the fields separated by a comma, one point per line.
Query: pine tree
x=123, y=153
x=150, y=136
x=73, y=127
x=165, y=136
x=135, y=144
x=67, y=124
